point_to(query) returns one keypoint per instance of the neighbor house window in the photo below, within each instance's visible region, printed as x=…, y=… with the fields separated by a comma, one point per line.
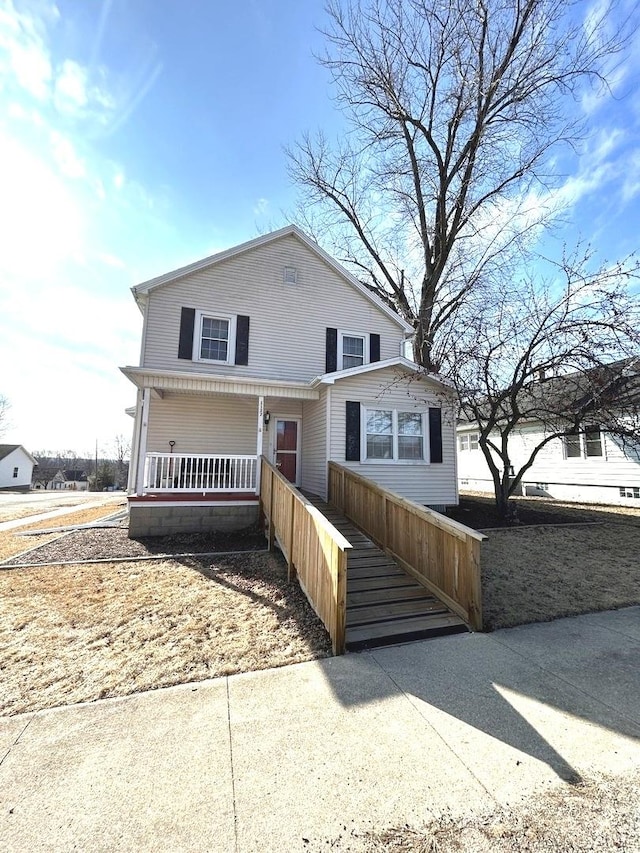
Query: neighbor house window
x=15, y=472
x=468, y=441
x=353, y=350
x=630, y=492
x=215, y=339
x=578, y=445
x=394, y=436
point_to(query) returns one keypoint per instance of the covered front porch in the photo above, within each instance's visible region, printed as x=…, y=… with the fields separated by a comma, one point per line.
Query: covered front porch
x=197, y=445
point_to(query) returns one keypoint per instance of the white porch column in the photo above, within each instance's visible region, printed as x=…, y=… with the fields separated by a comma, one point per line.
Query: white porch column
x=259, y=441
x=142, y=447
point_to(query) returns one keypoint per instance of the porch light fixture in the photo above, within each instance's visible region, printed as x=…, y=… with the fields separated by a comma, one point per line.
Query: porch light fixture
x=172, y=444
x=266, y=418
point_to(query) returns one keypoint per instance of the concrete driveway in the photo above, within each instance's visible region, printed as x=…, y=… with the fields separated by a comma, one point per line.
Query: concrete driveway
x=300, y=757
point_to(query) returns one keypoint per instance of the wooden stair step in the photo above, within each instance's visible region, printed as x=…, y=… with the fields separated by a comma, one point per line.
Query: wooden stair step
x=380, y=596
x=373, y=572
x=403, y=630
x=392, y=582
x=366, y=615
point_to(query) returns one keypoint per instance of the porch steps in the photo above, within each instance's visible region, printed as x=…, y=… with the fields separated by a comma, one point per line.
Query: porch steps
x=385, y=604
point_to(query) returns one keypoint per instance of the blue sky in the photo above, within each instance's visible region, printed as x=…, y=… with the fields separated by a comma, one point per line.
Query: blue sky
x=139, y=135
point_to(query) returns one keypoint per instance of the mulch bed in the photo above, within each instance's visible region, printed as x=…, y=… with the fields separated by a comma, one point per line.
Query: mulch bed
x=481, y=513
x=113, y=543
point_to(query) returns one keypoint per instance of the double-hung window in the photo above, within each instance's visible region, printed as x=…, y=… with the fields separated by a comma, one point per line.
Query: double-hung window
x=468, y=441
x=214, y=339
x=578, y=445
x=353, y=350
x=394, y=435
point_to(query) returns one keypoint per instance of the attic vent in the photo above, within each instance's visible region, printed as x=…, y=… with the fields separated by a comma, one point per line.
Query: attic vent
x=290, y=275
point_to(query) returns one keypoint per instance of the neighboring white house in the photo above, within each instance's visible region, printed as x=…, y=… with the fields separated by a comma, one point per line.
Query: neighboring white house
x=16, y=467
x=272, y=348
x=590, y=466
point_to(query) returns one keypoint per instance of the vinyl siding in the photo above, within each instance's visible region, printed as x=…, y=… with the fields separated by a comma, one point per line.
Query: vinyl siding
x=203, y=424
x=16, y=459
x=430, y=484
x=314, y=445
x=213, y=424
x=287, y=322
x=593, y=478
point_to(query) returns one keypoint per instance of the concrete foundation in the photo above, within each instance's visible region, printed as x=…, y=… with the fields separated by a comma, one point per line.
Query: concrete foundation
x=159, y=520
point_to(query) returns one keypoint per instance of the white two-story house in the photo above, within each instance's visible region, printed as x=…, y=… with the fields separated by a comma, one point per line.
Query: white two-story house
x=272, y=348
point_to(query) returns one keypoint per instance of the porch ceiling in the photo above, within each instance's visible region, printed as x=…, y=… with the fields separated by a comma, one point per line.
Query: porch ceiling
x=144, y=377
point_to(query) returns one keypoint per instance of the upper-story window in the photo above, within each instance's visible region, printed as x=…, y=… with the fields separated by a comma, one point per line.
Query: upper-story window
x=468, y=441
x=15, y=472
x=353, y=350
x=214, y=339
x=348, y=350
x=580, y=445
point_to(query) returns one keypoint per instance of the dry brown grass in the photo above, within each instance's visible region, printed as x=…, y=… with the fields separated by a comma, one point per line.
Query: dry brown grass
x=11, y=544
x=78, y=633
x=534, y=574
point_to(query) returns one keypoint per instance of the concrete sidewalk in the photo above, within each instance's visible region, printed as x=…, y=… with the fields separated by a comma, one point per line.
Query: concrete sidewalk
x=290, y=759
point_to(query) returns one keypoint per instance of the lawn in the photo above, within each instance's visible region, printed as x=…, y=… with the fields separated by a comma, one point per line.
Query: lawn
x=562, y=560
x=74, y=633
x=79, y=633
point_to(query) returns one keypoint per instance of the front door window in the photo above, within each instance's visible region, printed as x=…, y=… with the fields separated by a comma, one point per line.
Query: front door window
x=286, y=449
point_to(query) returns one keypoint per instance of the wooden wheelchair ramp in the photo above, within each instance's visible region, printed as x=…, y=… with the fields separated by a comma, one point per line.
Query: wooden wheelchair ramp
x=385, y=604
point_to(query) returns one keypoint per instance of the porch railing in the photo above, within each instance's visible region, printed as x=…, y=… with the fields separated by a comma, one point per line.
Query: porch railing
x=199, y=472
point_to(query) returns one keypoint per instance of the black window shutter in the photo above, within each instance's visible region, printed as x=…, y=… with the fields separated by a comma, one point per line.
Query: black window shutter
x=331, y=358
x=374, y=348
x=435, y=435
x=352, y=449
x=185, y=344
x=242, y=340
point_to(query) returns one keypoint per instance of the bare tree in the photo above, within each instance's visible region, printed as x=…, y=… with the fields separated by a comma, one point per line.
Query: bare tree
x=122, y=449
x=561, y=353
x=5, y=405
x=454, y=108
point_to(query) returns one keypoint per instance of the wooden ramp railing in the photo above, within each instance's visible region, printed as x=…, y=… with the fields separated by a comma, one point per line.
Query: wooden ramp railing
x=312, y=547
x=440, y=553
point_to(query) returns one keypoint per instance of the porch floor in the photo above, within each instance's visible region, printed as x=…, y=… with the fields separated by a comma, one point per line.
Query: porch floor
x=385, y=605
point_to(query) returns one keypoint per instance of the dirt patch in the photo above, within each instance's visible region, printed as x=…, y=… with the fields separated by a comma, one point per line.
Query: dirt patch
x=114, y=543
x=603, y=814
x=12, y=544
x=79, y=633
x=480, y=512
x=535, y=574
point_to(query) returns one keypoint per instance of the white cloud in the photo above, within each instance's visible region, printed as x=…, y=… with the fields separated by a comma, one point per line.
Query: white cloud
x=40, y=220
x=65, y=156
x=261, y=206
x=23, y=53
x=70, y=91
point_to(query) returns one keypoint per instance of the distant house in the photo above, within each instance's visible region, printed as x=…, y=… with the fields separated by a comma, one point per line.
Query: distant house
x=589, y=464
x=76, y=479
x=16, y=467
x=68, y=480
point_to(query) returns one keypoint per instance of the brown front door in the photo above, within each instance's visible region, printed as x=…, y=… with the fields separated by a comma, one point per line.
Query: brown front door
x=287, y=448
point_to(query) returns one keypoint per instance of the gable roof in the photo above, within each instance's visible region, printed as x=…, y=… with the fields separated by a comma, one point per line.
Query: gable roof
x=399, y=361
x=6, y=449
x=141, y=290
x=579, y=394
